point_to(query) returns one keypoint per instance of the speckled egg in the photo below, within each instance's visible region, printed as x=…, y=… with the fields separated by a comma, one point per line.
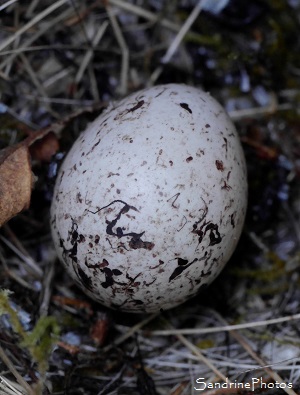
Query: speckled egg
x=150, y=201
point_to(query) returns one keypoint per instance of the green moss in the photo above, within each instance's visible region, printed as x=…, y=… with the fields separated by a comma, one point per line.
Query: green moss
x=39, y=341
x=268, y=275
x=5, y=308
x=205, y=344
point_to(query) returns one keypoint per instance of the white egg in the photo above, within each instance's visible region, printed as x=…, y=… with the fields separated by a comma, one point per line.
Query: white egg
x=150, y=201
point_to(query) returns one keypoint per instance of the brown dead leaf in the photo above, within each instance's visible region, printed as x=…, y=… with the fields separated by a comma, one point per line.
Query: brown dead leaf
x=15, y=181
x=16, y=178
x=43, y=149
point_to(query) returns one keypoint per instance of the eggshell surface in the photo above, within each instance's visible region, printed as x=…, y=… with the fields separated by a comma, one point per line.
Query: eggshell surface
x=150, y=201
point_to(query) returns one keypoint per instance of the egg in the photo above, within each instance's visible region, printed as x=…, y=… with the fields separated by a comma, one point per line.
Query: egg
x=150, y=201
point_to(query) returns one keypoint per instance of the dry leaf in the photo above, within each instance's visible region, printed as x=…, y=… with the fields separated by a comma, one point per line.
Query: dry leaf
x=43, y=149
x=16, y=178
x=15, y=181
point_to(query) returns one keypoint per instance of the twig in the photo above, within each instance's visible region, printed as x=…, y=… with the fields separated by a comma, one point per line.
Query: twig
x=124, y=49
x=226, y=328
x=31, y=23
x=150, y=16
x=177, y=40
x=258, y=242
x=93, y=83
x=26, y=258
x=131, y=332
x=37, y=83
x=13, y=275
x=25, y=45
x=114, y=379
x=8, y=387
x=201, y=357
x=15, y=373
x=88, y=56
x=46, y=289
x=7, y=4
x=257, y=112
x=31, y=7
x=18, y=117
x=81, y=22
x=52, y=47
x=63, y=101
x=60, y=75
x=275, y=376
x=263, y=364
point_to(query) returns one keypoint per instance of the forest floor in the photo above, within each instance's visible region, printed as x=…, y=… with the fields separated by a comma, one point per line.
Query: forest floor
x=61, y=63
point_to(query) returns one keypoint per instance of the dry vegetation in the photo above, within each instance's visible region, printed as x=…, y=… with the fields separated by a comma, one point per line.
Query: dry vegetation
x=60, y=63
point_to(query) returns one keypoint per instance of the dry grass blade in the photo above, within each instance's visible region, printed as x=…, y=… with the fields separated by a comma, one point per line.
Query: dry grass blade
x=8, y=387
x=258, y=112
x=124, y=50
x=30, y=71
x=177, y=40
x=263, y=364
x=13, y=370
x=131, y=331
x=195, y=350
x=32, y=266
x=88, y=56
x=150, y=16
x=226, y=328
x=31, y=23
x=26, y=43
x=7, y=4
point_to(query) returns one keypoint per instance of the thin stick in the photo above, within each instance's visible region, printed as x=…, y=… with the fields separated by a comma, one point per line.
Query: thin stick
x=7, y=4
x=37, y=83
x=14, y=371
x=131, y=332
x=195, y=350
x=10, y=388
x=46, y=289
x=177, y=40
x=256, y=112
x=61, y=74
x=226, y=328
x=13, y=275
x=35, y=269
x=31, y=8
x=93, y=83
x=89, y=54
x=59, y=100
x=31, y=23
x=45, y=28
x=150, y=16
x=124, y=49
x=263, y=364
